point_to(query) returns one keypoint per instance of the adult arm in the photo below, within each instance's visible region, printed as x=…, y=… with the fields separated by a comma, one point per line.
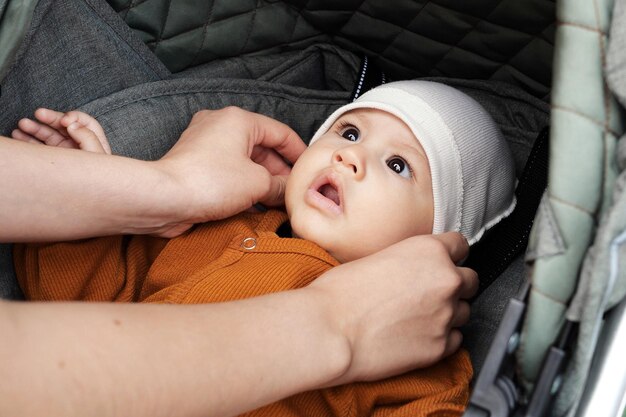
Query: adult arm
x=363, y=320
x=224, y=162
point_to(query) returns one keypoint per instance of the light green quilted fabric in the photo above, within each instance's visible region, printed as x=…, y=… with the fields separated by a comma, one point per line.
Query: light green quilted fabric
x=584, y=131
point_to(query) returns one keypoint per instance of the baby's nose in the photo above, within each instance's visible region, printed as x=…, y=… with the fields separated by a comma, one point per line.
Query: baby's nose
x=351, y=159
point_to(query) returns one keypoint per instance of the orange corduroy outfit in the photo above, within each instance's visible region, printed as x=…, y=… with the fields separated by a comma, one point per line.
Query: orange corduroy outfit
x=232, y=259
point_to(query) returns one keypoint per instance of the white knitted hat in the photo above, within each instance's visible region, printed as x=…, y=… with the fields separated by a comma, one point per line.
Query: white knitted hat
x=471, y=166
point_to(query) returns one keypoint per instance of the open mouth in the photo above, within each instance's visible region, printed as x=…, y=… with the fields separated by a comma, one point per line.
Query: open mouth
x=325, y=193
x=330, y=192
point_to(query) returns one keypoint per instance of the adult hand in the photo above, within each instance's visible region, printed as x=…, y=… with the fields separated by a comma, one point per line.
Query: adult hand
x=364, y=320
x=400, y=308
x=227, y=160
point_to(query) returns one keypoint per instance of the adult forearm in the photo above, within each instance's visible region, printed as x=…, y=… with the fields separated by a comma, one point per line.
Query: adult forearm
x=54, y=194
x=222, y=359
x=209, y=360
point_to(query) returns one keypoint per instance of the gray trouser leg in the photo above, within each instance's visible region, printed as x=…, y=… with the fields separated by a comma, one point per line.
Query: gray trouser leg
x=74, y=52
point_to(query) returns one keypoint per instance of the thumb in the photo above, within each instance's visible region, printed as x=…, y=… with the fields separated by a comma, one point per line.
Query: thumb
x=85, y=138
x=276, y=195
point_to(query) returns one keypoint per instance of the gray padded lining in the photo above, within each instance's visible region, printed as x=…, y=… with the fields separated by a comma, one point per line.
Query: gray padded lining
x=504, y=40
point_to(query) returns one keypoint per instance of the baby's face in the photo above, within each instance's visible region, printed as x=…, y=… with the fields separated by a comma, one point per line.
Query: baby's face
x=362, y=186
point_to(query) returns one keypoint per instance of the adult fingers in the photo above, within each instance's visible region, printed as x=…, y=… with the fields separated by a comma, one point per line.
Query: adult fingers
x=270, y=160
x=273, y=134
x=276, y=195
x=453, y=343
x=458, y=249
x=469, y=282
x=461, y=314
x=456, y=244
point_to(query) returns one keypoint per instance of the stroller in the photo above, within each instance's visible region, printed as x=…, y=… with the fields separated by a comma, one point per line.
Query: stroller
x=548, y=323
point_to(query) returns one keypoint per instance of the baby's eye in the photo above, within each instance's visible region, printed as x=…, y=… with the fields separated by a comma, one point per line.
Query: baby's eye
x=351, y=133
x=399, y=166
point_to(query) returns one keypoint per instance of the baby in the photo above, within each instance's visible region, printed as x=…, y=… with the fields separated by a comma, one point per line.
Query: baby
x=406, y=158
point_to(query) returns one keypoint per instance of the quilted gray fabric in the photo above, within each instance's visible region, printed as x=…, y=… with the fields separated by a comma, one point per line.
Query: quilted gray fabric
x=504, y=40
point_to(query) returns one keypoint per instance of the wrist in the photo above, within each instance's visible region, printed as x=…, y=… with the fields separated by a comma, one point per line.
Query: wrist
x=160, y=204
x=190, y=194
x=337, y=350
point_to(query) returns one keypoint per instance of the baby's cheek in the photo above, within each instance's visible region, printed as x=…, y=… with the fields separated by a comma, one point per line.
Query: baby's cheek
x=347, y=251
x=394, y=234
x=296, y=227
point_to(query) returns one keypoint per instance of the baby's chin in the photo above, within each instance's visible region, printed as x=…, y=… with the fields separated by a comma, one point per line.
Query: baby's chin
x=339, y=252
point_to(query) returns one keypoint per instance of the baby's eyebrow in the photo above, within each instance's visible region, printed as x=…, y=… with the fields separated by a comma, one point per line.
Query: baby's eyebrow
x=415, y=150
x=354, y=118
